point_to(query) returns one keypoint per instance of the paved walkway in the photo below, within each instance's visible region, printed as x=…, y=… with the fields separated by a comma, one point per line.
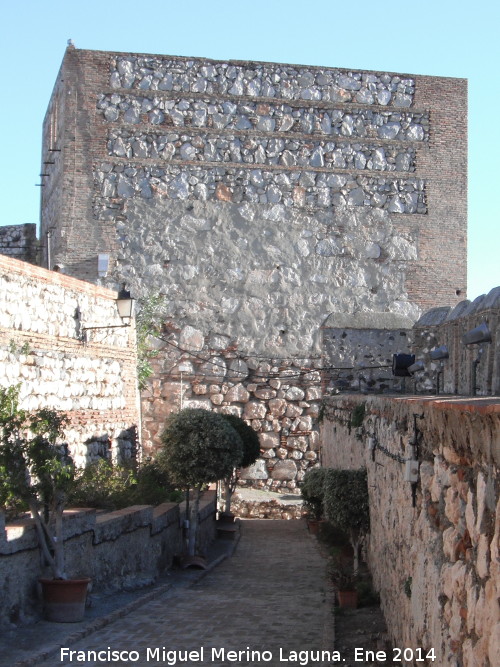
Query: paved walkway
x=269, y=598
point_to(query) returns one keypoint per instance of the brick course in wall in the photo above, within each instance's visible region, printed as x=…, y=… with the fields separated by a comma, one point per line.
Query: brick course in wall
x=83, y=133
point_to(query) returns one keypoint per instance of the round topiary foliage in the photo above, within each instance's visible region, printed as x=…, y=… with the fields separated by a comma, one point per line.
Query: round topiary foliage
x=347, y=506
x=346, y=500
x=313, y=484
x=312, y=491
x=249, y=439
x=199, y=447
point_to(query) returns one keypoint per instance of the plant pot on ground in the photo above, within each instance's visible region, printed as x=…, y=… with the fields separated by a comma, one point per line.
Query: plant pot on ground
x=36, y=469
x=344, y=578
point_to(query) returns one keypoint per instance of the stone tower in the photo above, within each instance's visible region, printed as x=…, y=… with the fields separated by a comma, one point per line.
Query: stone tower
x=261, y=199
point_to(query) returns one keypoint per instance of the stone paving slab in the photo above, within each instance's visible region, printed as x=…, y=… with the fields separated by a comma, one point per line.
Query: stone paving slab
x=270, y=598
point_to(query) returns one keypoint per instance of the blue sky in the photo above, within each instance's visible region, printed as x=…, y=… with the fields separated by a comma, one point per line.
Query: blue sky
x=441, y=38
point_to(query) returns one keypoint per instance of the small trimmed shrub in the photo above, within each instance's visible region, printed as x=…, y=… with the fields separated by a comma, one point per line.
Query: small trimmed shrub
x=199, y=447
x=312, y=491
x=346, y=505
x=250, y=452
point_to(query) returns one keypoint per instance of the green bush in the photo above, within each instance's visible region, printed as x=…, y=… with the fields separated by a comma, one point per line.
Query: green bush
x=347, y=506
x=199, y=447
x=36, y=470
x=249, y=440
x=106, y=486
x=250, y=450
x=312, y=491
x=103, y=486
x=154, y=487
x=358, y=415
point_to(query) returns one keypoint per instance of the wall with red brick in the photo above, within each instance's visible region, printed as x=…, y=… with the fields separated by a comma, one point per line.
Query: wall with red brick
x=89, y=111
x=259, y=199
x=91, y=375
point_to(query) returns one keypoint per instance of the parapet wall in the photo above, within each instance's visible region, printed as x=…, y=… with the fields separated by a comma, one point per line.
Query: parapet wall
x=436, y=562
x=128, y=548
x=469, y=369
x=91, y=376
x=19, y=241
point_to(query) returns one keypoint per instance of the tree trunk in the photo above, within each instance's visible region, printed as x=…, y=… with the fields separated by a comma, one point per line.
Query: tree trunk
x=356, y=544
x=228, y=494
x=193, y=524
x=47, y=543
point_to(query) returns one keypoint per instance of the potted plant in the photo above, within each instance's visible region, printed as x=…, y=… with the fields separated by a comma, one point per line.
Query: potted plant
x=199, y=447
x=347, y=507
x=344, y=578
x=250, y=451
x=312, y=491
x=37, y=469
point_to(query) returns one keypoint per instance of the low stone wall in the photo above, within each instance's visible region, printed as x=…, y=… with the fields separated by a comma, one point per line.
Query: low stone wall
x=255, y=504
x=436, y=562
x=125, y=549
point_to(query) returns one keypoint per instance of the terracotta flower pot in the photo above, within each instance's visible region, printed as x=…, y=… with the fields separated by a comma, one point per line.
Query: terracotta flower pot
x=313, y=525
x=64, y=599
x=348, y=599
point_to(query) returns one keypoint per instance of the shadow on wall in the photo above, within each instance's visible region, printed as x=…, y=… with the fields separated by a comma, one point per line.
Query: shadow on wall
x=118, y=448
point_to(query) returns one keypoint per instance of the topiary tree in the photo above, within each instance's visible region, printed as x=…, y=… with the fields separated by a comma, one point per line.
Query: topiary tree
x=312, y=491
x=249, y=454
x=199, y=447
x=36, y=470
x=347, y=507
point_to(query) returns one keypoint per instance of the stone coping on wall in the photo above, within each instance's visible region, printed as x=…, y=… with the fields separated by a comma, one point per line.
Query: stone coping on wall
x=20, y=535
x=482, y=405
x=461, y=416
x=11, y=265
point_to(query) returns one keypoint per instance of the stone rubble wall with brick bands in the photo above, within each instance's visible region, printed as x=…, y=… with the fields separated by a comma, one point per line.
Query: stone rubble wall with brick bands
x=42, y=350
x=264, y=117
x=260, y=80
x=436, y=565
x=116, y=126
x=176, y=147
x=295, y=189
